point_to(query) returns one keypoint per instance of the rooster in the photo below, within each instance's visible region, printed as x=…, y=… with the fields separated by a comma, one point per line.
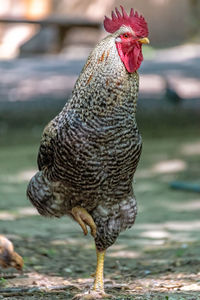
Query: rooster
x=8, y=257
x=89, y=152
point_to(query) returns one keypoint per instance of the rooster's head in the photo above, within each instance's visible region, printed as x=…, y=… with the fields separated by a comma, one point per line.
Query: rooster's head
x=130, y=32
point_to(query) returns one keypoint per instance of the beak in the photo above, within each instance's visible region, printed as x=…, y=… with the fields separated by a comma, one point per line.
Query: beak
x=144, y=40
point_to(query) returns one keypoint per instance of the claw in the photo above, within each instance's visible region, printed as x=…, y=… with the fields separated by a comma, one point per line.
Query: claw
x=83, y=218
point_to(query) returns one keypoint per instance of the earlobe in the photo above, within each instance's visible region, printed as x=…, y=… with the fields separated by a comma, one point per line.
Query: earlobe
x=118, y=40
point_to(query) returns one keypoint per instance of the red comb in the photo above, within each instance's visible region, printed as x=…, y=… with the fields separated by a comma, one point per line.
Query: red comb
x=136, y=22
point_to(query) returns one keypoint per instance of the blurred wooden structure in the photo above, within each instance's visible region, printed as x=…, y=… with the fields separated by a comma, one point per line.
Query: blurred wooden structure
x=54, y=21
x=61, y=24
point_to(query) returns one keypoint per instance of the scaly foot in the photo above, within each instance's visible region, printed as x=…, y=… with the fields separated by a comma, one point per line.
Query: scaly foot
x=91, y=295
x=83, y=218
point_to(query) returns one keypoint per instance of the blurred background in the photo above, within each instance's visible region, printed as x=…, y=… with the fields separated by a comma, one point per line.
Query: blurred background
x=43, y=47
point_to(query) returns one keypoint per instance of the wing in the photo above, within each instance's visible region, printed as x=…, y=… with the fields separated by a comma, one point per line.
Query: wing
x=46, y=151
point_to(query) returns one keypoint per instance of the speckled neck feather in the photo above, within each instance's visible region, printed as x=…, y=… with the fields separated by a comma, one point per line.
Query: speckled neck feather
x=104, y=87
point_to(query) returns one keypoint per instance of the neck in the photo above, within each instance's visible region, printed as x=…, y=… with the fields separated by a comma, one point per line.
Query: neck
x=105, y=88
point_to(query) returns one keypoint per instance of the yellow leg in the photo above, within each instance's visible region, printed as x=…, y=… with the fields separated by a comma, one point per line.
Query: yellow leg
x=83, y=218
x=99, y=281
x=97, y=291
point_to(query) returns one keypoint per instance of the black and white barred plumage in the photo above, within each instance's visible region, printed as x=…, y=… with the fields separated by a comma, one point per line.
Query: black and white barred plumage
x=89, y=152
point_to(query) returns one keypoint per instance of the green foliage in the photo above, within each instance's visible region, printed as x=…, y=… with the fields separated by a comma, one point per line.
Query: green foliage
x=3, y=282
x=50, y=252
x=180, y=252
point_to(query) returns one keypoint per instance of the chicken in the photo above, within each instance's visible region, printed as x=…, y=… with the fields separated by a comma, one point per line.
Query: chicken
x=89, y=152
x=8, y=257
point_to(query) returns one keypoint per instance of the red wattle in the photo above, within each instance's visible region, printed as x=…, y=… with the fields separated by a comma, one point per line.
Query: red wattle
x=131, y=59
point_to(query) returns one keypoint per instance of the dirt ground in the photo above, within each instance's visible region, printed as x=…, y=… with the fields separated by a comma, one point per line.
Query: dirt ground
x=157, y=259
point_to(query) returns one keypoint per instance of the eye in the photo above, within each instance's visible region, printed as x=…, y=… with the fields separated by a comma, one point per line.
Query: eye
x=125, y=35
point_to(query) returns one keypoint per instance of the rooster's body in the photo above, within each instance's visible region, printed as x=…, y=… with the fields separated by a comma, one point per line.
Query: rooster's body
x=89, y=152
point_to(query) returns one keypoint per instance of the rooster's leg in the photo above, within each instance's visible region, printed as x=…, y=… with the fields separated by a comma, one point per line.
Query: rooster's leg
x=98, y=281
x=83, y=218
x=97, y=291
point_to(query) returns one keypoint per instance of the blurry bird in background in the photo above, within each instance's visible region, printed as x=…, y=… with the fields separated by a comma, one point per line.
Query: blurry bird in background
x=8, y=257
x=89, y=152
